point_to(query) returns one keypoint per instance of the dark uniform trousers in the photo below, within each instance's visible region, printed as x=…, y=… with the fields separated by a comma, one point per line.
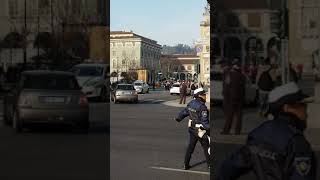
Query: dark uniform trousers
x=192, y=144
x=232, y=111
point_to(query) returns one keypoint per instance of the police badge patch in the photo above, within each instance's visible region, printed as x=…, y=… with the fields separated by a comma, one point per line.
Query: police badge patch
x=204, y=114
x=303, y=165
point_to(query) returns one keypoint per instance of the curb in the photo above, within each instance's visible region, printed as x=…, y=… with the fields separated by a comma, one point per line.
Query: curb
x=175, y=103
x=241, y=139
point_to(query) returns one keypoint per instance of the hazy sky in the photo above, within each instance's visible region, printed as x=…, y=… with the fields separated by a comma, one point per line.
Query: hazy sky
x=167, y=21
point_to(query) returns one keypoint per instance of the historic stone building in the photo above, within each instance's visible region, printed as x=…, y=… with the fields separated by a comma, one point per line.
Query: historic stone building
x=130, y=52
x=180, y=66
x=246, y=30
x=304, y=32
x=203, y=47
x=46, y=18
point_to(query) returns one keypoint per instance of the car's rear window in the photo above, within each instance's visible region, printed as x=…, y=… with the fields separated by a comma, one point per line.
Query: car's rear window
x=216, y=76
x=125, y=87
x=138, y=84
x=176, y=85
x=49, y=81
x=87, y=71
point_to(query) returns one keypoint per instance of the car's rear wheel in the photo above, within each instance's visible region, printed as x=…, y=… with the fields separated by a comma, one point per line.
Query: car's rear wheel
x=17, y=125
x=104, y=95
x=84, y=126
x=7, y=114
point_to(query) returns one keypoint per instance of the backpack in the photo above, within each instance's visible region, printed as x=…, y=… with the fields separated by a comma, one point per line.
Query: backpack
x=265, y=82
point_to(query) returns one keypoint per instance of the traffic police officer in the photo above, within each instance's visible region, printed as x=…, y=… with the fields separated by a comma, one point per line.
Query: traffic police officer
x=276, y=150
x=198, y=125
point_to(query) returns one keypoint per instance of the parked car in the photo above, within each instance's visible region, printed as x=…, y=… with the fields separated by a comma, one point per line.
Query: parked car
x=251, y=90
x=124, y=93
x=46, y=97
x=175, y=89
x=94, y=79
x=141, y=87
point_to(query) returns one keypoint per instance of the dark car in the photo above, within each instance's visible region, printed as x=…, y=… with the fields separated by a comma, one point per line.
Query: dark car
x=46, y=97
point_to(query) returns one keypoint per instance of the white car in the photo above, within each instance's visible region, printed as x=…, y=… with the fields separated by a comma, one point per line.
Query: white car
x=251, y=93
x=141, y=87
x=175, y=89
x=93, y=78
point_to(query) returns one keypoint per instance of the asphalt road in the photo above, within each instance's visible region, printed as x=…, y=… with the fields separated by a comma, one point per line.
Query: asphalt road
x=146, y=143
x=57, y=153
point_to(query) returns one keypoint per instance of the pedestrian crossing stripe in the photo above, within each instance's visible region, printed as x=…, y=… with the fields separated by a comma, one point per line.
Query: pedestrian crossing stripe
x=180, y=170
x=152, y=101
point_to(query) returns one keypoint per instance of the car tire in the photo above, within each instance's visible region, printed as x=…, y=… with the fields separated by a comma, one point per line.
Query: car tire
x=171, y=93
x=84, y=127
x=104, y=95
x=17, y=125
x=7, y=119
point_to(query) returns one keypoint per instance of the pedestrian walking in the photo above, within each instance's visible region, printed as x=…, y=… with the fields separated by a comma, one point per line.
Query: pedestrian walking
x=265, y=84
x=198, y=125
x=233, y=93
x=193, y=87
x=183, y=93
x=277, y=149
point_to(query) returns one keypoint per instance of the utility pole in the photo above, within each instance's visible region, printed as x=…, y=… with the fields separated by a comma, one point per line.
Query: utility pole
x=284, y=36
x=38, y=18
x=25, y=36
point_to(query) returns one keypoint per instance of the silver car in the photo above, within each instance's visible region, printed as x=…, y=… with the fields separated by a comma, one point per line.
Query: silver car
x=46, y=97
x=124, y=93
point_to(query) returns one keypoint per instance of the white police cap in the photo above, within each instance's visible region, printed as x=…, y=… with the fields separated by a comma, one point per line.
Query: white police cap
x=199, y=91
x=287, y=93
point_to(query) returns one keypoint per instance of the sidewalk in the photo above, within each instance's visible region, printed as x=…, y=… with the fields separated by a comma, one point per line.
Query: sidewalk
x=250, y=121
x=175, y=103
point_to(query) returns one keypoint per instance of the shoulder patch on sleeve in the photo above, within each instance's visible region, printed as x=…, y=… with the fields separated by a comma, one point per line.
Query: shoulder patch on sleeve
x=204, y=114
x=303, y=165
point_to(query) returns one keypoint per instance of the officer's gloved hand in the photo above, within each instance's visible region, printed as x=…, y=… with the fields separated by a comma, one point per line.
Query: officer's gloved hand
x=177, y=119
x=193, y=124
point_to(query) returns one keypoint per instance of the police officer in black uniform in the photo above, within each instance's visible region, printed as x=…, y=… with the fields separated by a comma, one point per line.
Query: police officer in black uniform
x=198, y=125
x=277, y=149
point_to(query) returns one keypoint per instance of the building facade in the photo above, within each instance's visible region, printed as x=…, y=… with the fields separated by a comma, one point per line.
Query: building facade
x=46, y=16
x=246, y=30
x=304, y=32
x=203, y=47
x=180, y=66
x=131, y=52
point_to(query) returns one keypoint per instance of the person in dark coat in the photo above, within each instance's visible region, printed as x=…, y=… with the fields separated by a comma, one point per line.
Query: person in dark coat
x=183, y=93
x=277, y=149
x=233, y=97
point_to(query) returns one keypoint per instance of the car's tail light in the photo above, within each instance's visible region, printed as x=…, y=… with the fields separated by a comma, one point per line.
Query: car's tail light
x=24, y=100
x=83, y=100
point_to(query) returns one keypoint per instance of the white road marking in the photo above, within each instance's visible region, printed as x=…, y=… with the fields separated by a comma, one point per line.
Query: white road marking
x=180, y=170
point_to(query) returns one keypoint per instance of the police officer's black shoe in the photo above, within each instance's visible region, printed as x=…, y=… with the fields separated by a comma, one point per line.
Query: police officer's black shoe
x=186, y=167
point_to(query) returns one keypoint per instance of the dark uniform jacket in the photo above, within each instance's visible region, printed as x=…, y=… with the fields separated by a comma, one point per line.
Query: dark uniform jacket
x=198, y=113
x=277, y=150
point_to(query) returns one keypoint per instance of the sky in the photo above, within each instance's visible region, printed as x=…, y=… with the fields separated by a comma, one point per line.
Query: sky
x=170, y=22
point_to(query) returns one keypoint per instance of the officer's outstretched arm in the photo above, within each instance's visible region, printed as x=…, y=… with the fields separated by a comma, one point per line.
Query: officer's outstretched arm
x=184, y=113
x=237, y=164
x=304, y=163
